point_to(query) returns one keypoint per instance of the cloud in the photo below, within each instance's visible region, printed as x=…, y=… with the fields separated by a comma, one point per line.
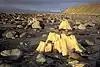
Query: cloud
x=44, y=5
x=39, y=2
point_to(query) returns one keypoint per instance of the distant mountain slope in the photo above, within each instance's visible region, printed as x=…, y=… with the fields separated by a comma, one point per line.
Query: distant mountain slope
x=93, y=9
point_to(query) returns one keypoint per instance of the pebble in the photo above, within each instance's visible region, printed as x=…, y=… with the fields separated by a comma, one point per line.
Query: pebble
x=44, y=35
x=19, y=26
x=75, y=27
x=36, y=25
x=49, y=60
x=5, y=65
x=81, y=27
x=89, y=42
x=10, y=34
x=23, y=35
x=40, y=58
x=78, y=22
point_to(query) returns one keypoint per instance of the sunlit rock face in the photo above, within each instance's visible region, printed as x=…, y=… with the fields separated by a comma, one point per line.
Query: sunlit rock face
x=89, y=9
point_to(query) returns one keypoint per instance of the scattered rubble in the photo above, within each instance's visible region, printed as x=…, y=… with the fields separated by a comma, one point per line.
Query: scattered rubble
x=16, y=29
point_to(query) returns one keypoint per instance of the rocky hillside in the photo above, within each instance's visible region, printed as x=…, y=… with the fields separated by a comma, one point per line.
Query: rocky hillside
x=90, y=9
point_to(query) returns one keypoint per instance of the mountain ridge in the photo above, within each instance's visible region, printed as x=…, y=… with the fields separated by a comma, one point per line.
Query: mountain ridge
x=84, y=9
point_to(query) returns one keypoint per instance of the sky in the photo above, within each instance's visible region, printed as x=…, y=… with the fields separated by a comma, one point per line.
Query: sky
x=44, y=5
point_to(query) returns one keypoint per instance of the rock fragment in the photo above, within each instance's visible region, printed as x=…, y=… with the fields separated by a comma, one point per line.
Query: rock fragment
x=13, y=53
x=81, y=27
x=40, y=58
x=10, y=34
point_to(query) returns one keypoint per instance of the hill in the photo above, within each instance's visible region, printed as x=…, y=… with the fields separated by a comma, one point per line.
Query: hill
x=90, y=9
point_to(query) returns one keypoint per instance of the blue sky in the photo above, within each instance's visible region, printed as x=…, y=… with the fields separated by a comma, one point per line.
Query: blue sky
x=44, y=5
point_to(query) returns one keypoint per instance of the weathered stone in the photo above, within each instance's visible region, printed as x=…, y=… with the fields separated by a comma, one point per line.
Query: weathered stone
x=76, y=63
x=79, y=65
x=19, y=26
x=73, y=62
x=40, y=58
x=14, y=53
x=78, y=22
x=10, y=34
x=49, y=60
x=75, y=56
x=36, y=25
x=75, y=27
x=89, y=42
x=34, y=30
x=90, y=25
x=5, y=65
x=44, y=35
x=51, y=28
x=81, y=27
x=23, y=34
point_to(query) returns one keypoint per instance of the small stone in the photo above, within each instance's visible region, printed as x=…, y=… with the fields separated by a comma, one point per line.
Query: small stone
x=19, y=26
x=75, y=27
x=36, y=25
x=81, y=27
x=89, y=42
x=75, y=56
x=4, y=22
x=23, y=34
x=73, y=62
x=34, y=30
x=44, y=35
x=16, y=36
x=40, y=58
x=90, y=25
x=79, y=65
x=51, y=29
x=78, y=22
x=10, y=34
x=14, y=53
x=5, y=65
x=13, y=37
x=29, y=36
x=49, y=60
x=21, y=43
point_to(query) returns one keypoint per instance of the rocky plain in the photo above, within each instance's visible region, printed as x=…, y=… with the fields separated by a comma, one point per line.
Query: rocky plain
x=19, y=40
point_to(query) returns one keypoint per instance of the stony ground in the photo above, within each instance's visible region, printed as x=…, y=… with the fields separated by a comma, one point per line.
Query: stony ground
x=22, y=43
